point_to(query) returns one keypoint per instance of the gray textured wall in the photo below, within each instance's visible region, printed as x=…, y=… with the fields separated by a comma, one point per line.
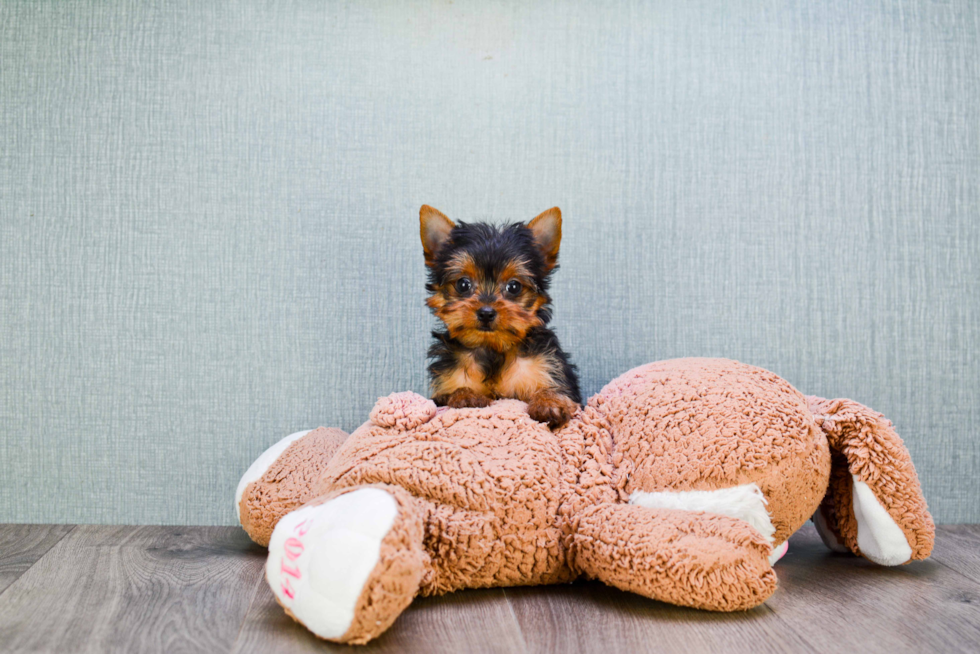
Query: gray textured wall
x=208, y=212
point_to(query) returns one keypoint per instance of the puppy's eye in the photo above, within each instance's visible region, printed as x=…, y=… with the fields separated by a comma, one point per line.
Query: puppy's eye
x=514, y=287
x=463, y=285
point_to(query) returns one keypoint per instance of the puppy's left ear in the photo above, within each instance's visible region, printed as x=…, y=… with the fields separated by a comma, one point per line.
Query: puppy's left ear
x=547, y=234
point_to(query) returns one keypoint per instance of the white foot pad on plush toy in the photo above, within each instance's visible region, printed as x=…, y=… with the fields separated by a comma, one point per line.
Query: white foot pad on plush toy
x=261, y=464
x=879, y=536
x=745, y=502
x=321, y=556
x=778, y=552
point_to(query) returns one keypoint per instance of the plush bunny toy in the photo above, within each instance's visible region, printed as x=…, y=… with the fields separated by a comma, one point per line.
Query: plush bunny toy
x=681, y=481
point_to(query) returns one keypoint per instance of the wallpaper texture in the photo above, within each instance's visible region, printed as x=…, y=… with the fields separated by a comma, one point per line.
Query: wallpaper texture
x=209, y=238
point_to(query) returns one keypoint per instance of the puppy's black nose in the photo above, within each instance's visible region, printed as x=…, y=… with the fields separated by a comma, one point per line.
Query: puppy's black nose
x=486, y=315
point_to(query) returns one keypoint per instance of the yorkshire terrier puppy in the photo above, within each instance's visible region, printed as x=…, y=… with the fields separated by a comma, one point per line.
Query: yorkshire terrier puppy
x=489, y=285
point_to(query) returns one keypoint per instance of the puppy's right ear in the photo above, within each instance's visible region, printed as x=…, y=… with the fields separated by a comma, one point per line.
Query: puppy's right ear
x=435, y=228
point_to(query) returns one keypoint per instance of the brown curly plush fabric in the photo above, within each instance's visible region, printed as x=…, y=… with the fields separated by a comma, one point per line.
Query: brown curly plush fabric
x=866, y=446
x=701, y=560
x=489, y=497
x=486, y=483
x=705, y=424
x=288, y=483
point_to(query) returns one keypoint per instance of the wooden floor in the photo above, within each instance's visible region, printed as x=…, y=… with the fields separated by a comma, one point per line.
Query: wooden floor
x=175, y=589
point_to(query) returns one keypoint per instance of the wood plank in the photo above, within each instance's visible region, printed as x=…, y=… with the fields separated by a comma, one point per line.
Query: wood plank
x=201, y=589
x=592, y=617
x=134, y=589
x=958, y=547
x=469, y=621
x=825, y=602
x=22, y=545
x=838, y=602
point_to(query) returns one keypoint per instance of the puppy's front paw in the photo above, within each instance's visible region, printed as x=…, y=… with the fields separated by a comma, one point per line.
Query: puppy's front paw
x=552, y=409
x=464, y=398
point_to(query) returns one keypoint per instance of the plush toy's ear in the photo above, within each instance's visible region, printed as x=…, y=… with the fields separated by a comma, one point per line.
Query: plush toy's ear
x=546, y=228
x=434, y=227
x=874, y=504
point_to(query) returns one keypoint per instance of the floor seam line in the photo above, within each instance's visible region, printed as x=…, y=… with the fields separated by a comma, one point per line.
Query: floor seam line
x=966, y=576
x=513, y=614
x=14, y=582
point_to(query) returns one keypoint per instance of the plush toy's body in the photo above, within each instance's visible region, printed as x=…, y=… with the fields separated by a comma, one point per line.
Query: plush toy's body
x=680, y=480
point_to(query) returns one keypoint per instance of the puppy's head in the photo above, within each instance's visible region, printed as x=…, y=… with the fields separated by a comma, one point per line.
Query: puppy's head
x=489, y=284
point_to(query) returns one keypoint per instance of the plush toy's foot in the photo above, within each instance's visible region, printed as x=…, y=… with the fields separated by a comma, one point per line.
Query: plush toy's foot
x=683, y=557
x=346, y=566
x=282, y=479
x=874, y=506
x=778, y=552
